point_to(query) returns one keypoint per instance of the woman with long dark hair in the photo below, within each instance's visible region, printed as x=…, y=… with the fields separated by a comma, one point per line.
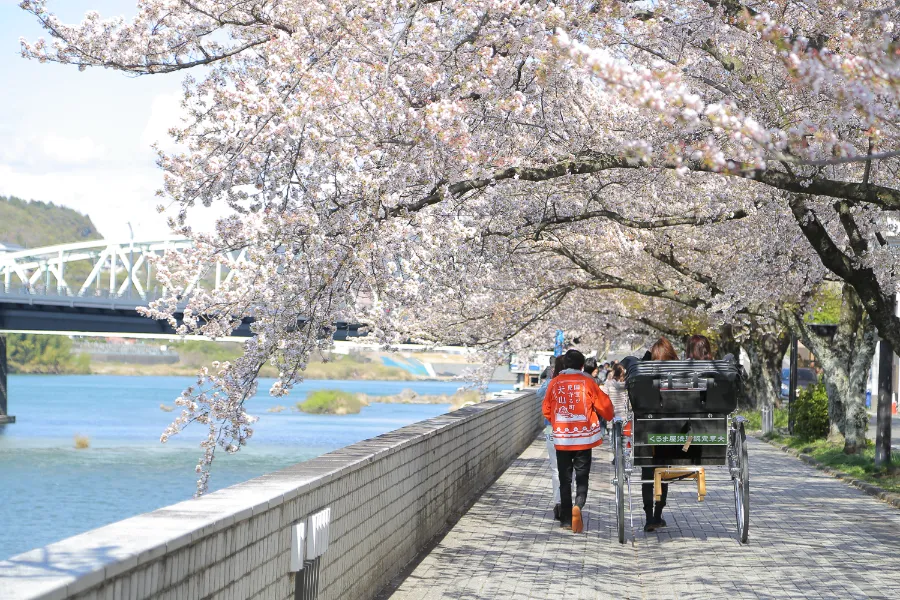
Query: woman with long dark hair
x=661, y=350
x=699, y=348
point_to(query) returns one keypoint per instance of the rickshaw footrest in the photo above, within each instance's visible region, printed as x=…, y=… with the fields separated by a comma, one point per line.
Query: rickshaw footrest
x=661, y=474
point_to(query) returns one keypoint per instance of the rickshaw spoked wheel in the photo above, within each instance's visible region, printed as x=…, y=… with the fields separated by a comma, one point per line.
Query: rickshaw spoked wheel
x=741, y=482
x=619, y=454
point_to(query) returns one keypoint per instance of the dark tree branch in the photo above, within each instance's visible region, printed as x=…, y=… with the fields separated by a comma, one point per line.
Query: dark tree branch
x=589, y=163
x=602, y=280
x=670, y=260
x=877, y=302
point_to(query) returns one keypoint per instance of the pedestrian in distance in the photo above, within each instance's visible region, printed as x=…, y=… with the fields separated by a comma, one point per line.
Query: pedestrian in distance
x=615, y=389
x=574, y=405
x=557, y=366
x=604, y=372
x=547, y=373
x=592, y=368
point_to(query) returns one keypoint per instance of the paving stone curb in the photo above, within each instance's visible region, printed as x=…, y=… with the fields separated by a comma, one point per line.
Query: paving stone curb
x=872, y=490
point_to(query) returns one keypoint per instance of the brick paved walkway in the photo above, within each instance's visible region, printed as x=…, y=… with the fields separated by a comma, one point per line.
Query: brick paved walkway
x=811, y=536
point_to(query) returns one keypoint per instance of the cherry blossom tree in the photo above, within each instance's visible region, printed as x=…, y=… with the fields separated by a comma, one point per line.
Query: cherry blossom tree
x=472, y=170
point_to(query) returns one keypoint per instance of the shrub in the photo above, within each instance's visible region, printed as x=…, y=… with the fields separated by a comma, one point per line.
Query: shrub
x=811, y=413
x=82, y=442
x=331, y=402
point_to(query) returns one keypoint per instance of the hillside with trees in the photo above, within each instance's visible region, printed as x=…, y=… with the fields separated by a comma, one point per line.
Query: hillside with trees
x=44, y=354
x=32, y=224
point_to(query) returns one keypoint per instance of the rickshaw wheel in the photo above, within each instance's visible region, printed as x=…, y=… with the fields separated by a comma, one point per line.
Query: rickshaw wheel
x=619, y=453
x=741, y=483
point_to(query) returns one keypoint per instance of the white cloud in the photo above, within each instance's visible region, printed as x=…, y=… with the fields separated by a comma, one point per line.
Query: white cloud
x=51, y=151
x=165, y=112
x=71, y=151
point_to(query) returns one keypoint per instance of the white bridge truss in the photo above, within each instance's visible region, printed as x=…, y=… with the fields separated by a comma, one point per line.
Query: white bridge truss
x=97, y=268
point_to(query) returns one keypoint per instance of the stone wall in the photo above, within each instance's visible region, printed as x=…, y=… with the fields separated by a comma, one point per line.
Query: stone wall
x=389, y=496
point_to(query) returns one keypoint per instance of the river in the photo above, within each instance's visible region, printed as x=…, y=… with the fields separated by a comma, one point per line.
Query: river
x=50, y=491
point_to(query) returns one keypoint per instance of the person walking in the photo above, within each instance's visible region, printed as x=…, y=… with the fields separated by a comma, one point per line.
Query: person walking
x=603, y=373
x=547, y=373
x=556, y=368
x=574, y=405
x=592, y=369
x=615, y=389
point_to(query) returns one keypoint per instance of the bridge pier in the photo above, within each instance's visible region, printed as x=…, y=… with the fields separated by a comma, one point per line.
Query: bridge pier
x=4, y=416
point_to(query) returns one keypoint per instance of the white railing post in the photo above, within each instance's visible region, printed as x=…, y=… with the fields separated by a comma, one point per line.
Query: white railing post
x=767, y=418
x=112, y=270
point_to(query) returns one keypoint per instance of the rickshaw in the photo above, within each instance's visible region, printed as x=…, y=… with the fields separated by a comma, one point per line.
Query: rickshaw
x=680, y=421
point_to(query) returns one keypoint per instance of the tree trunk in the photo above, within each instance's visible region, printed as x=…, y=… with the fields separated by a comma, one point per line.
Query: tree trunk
x=726, y=343
x=766, y=347
x=846, y=360
x=883, y=420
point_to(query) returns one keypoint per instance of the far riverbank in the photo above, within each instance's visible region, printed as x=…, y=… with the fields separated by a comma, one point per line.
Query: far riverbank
x=65, y=355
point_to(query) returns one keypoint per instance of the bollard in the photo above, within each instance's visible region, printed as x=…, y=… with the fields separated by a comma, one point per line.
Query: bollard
x=768, y=423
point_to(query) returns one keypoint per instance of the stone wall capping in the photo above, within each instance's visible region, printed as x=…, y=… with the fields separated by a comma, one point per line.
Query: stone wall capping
x=120, y=566
x=27, y=580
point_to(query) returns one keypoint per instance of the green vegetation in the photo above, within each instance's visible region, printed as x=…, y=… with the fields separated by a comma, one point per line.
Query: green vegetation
x=200, y=354
x=825, y=307
x=356, y=367
x=34, y=224
x=811, y=413
x=331, y=402
x=52, y=354
x=861, y=465
x=754, y=419
x=197, y=354
x=44, y=354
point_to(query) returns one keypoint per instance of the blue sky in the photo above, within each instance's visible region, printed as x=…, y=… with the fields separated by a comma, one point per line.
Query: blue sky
x=82, y=139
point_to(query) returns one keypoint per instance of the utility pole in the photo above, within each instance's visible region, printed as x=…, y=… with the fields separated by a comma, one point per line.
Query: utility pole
x=4, y=390
x=885, y=393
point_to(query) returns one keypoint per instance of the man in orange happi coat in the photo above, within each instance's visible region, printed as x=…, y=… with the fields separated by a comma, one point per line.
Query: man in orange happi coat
x=574, y=404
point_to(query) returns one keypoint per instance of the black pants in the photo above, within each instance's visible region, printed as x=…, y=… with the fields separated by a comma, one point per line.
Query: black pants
x=566, y=462
x=647, y=491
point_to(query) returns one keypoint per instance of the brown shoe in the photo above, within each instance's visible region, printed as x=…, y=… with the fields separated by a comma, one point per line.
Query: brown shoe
x=577, y=523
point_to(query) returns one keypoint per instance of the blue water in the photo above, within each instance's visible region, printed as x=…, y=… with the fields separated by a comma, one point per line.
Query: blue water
x=50, y=491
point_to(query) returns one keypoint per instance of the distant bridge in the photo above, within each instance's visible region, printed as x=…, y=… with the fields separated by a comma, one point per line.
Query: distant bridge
x=95, y=288
x=90, y=287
